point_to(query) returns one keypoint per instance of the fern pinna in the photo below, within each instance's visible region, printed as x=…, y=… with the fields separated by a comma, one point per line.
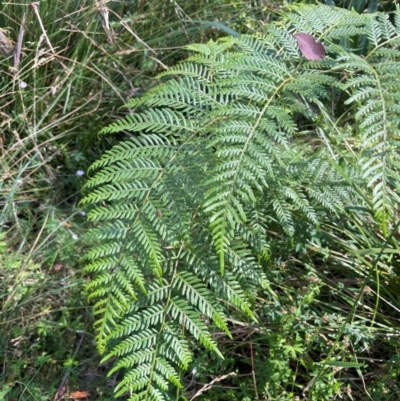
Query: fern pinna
x=215, y=158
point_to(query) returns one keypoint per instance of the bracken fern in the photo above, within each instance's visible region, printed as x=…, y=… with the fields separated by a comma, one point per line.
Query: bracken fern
x=216, y=157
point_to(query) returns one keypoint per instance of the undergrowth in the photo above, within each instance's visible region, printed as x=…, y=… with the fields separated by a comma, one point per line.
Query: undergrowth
x=66, y=67
x=324, y=311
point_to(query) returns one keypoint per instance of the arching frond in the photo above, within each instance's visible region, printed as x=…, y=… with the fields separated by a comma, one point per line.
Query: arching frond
x=182, y=209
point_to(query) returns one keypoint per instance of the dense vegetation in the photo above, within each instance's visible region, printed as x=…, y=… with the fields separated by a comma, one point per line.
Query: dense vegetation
x=243, y=229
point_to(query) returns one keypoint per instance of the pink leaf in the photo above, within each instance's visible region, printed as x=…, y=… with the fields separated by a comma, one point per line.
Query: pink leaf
x=309, y=47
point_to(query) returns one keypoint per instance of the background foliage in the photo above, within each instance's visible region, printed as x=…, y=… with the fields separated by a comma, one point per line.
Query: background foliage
x=322, y=288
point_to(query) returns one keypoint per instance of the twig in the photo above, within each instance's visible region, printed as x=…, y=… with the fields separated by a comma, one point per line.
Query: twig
x=17, y=53
x=126, y=26
x=360, y=373
x=35, y=9
x=207, y=387
x=253, y=373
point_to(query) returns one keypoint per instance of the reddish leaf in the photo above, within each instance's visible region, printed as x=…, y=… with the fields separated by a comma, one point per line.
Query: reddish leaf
x=77, y=395
x=309, y=47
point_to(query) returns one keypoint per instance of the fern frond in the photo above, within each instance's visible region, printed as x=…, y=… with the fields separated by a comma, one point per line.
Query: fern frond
x=216, y=161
